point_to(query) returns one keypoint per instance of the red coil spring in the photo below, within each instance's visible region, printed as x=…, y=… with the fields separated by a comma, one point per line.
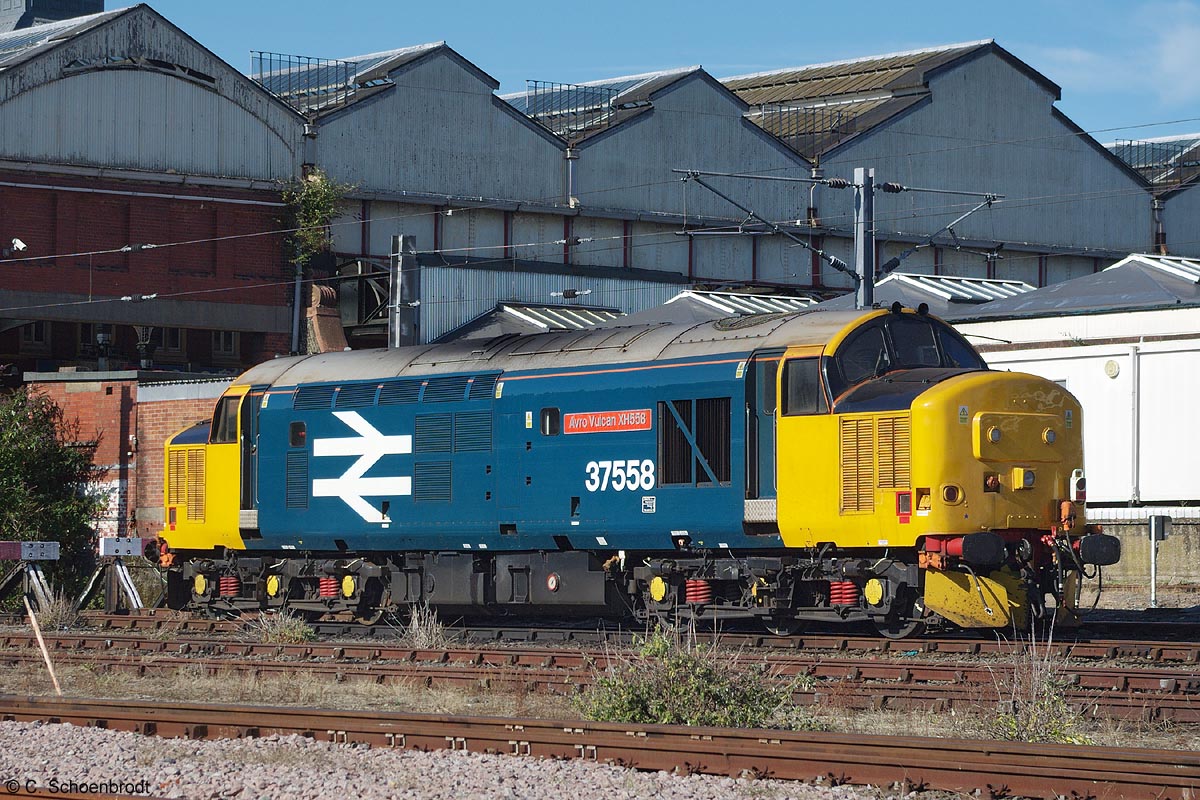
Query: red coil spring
x=329, y=587
x=843, y=593
x=697, y=591
x=229, y=586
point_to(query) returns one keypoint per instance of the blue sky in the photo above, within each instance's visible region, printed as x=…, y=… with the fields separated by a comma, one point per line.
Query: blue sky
x=1126, y=68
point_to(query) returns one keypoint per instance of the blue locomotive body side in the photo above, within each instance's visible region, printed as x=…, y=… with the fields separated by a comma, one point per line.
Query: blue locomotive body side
x=533, y=460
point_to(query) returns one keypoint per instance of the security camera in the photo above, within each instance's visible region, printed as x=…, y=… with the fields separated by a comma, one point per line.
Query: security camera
x=19, y=246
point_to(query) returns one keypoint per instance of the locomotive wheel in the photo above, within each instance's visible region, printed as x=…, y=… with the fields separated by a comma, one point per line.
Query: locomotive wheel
x=782, y=626
x=896, y=628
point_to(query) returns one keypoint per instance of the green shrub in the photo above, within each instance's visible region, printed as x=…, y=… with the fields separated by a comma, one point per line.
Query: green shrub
x=674, y=684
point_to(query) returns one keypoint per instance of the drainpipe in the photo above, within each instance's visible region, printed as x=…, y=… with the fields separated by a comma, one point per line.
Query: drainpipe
x=1160, y=232
x=571, y=155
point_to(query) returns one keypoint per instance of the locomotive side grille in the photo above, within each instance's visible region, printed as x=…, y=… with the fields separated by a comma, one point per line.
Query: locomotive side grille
x=858, y=464
x=473, y=431
x=482, y=387
x=356, y=395
x=177, y=478
x=895, y=452
x=310, y=397
x=297, y=479
x=433, y=433
x=195, y=485
x=394, y=393
x=440, y=390
x=431, y=481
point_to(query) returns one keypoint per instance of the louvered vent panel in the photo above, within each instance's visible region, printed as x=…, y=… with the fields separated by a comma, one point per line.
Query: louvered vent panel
x=431, y=481
x=356, y=395
x=177, y=478
x=195, y=485
x=858, y=464
x=483, y=387
x=440, y=390
x=395, y=393
x=297, y=479
x=472, y=431
x=310, y=397
x=895, y=453
x=433, y=433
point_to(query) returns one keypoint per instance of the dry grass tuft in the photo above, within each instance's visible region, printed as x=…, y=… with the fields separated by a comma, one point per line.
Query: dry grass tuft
x=424, y=629
x=1032, y=697
x=281, y=628
x=60, y=615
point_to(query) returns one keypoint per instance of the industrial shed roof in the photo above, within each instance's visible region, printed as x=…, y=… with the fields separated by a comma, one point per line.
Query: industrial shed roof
x=317, y=85
x=699, y=306
x=1139, y=282
x=1167, y=161
x=579, y=111
x=523, y=318
x=814, y=108
x=946, y=295
x=20, y=45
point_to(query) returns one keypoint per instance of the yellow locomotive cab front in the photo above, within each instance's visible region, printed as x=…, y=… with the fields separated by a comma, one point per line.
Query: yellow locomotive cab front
x=203, y=481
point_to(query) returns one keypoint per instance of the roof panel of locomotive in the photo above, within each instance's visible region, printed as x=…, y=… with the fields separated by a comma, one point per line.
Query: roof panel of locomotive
x=558, y=350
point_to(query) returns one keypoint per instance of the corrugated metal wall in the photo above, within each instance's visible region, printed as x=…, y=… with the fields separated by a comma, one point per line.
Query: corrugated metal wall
x=1179, y=214
x=440, y=131
x=51, y=111
x=989, y=128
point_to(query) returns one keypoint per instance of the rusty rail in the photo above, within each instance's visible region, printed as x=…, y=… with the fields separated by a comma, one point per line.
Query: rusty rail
x=944, y=764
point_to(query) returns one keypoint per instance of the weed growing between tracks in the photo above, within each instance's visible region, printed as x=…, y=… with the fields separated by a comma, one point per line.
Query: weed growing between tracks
x=686, y=683
x=1032, y=699
x=60, y=615
x=281, y=628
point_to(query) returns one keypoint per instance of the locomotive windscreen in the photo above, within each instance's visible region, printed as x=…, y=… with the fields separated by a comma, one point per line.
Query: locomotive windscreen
x=897, y=342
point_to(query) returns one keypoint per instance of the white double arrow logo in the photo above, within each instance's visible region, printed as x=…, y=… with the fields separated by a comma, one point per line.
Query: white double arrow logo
x=370, y=445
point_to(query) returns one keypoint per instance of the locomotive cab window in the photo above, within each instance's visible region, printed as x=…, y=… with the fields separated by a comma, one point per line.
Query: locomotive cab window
x=802, y=392
x=898, y=341
x=225, y=419
x=551, y=422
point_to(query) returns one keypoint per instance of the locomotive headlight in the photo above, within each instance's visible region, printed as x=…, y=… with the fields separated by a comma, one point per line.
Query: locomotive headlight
x=1023, y=478
x=1048, y=436
x=994, y=435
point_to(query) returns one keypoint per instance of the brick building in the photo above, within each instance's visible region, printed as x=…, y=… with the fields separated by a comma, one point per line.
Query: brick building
x=133, y=239
x=131, y=413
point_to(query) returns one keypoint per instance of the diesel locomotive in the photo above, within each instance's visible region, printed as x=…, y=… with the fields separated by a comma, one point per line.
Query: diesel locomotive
x=827, y=466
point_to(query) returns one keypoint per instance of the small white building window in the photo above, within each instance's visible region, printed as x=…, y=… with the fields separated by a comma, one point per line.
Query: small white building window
x=225, y=344
x=35, y=337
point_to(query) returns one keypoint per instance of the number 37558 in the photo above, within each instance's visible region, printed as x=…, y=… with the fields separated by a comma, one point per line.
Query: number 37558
x=619, y=475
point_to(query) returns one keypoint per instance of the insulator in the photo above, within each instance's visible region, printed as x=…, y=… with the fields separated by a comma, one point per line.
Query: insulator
x=843, y=593
x=229, y=586
x=837, y=183
x=697, y=591
x=329, y=586
x=891, y=188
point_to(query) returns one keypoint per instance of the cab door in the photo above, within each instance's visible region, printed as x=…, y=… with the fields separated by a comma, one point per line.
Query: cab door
x=761, y=378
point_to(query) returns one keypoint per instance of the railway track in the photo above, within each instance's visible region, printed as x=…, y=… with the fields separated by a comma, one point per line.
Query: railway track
x=1161, y=650
x=1152, y=695
x=1003, y=768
